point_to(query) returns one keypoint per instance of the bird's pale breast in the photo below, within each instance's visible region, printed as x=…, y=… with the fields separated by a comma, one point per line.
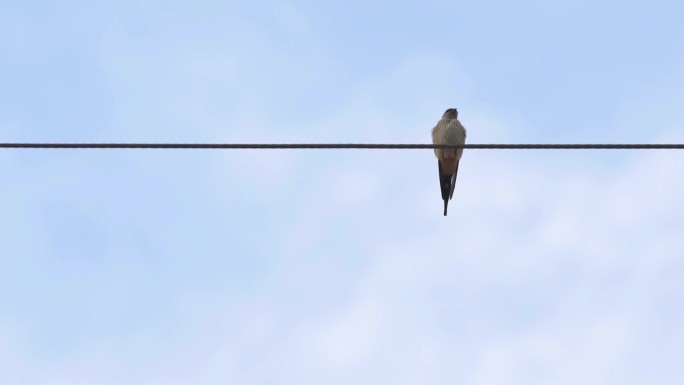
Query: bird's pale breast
x=448, y=132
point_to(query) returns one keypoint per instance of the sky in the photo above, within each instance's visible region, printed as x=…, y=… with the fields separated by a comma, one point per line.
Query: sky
x=337, y=266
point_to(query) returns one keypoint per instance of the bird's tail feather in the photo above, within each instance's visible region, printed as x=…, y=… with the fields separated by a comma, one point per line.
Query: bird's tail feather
x=445, y=186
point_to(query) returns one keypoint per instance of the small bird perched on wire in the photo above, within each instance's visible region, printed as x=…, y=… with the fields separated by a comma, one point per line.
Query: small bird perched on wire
x=448, y=131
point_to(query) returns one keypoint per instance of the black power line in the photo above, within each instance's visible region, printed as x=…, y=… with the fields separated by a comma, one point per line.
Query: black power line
x=265, y=146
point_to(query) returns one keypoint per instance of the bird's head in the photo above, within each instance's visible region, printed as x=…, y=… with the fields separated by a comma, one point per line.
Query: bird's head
x=451, y=113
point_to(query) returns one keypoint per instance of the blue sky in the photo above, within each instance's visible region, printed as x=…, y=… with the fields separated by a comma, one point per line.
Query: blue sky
x=337, y=267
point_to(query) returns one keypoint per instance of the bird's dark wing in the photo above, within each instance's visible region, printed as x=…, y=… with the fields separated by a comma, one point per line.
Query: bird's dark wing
x=453, y=181
x=444, y=182
x=444, y=186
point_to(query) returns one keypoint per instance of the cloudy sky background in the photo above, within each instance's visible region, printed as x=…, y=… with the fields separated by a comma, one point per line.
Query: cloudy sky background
x=337, y=267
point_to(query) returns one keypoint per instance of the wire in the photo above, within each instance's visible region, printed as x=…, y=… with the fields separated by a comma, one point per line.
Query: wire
x=225, y=146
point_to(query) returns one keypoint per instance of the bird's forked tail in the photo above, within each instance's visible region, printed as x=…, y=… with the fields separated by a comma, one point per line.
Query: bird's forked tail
x=445, y=186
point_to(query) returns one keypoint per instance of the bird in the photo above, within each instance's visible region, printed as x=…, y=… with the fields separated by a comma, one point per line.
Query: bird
x=448, y=131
